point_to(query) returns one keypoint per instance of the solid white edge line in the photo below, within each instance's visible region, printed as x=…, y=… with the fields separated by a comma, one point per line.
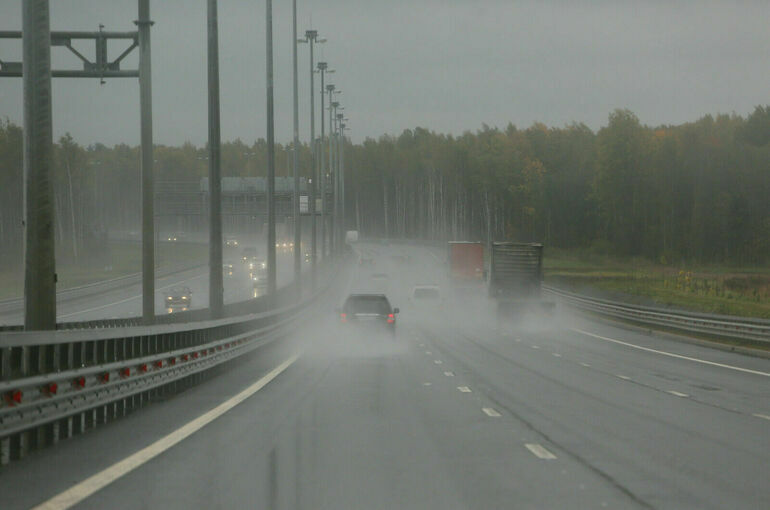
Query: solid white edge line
x=93, y=484
x=539, y=451
x=678, y=394
x=664, y=353
x=763, y=416
x=624, y=377
x=491, y=412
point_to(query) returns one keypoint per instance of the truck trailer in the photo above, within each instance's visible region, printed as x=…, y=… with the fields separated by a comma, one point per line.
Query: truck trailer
x=515, y=279
x=466, y=262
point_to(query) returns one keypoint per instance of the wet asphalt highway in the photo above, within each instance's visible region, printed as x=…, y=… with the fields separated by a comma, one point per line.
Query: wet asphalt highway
x=549, y=412
x=126, y=300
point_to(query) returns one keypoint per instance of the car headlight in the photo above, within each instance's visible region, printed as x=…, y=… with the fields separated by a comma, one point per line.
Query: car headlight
x=264, y=265
x=184, y=297
x=168, y=298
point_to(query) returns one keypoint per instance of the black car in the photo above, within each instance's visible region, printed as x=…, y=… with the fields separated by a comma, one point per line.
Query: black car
x=178, y=298
x=369, y=310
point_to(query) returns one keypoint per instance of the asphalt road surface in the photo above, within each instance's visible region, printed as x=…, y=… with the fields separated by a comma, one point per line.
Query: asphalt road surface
x=547, y=412
x=126, y=300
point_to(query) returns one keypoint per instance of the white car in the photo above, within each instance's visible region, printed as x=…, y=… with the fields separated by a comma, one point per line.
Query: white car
x=426, y=295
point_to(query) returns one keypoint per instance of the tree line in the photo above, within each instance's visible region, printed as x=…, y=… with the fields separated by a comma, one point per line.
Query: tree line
x=695, y=192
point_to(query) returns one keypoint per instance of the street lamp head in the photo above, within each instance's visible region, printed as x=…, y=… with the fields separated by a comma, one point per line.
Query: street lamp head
x=334, y=104
x=330, y=87
x=311, y=34
x=322, y=66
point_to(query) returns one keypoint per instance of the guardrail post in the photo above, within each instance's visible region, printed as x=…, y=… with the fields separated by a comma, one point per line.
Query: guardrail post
x=5, y=451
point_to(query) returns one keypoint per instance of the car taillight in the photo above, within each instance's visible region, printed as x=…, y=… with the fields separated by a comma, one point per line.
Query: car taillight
x=391, y=318
x=343, y=317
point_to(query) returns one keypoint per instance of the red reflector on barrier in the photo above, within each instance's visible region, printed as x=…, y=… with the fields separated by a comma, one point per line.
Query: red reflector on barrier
x=227, y=346
x=143, y=367
x=172, y=361
x=52, y=388
x=125, y=372
x=159, y=364
x=185, y=357
x=105, y=377
x=80, y=382
x=343, y=317
x=195, y=355
x=13, y=397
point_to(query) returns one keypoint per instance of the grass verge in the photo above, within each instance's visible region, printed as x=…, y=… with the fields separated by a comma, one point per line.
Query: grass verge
x=740, y=291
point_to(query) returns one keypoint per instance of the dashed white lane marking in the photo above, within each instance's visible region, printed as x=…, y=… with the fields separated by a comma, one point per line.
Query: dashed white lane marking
x=490, y=412
x=426, y=384
x=89, y=486
x=437, y=361
x=517, y=339
x=763, y=416
x=464, y=389
x=585, y=365
x=535, y=346
x=678, y=394
x=449, y=374
x=671, y=354
x=624, y=377
x=539, y=451
x=428, y=353
x=556, y=355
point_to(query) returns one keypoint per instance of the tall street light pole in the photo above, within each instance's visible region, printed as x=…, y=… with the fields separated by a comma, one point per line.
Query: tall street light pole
x=148, y=192
x=330, y=90
x=271, y=272
x=323, y=68
x=311, y=36
x=295, y=156
x=216, y=290
x=342, y=175
x=39, y=258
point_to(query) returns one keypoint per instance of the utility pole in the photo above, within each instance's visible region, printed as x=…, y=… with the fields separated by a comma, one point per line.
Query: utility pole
x=148, y=192
x=271, y=272
x=295, y=153
x=216, y=290
x=39, y=257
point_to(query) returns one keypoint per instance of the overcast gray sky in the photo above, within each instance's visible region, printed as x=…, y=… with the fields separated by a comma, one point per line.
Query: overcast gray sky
x=447, y=65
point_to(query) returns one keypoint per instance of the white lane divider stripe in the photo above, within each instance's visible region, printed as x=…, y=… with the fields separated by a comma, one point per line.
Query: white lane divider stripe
x=437, y=361
x=678, y=394
x=428, y=353
x=556, y=355
x=535, y=346
x=539, y=451
x=585, y=365
x=624, y=377
x=763, y=416
x=91, y=485
x=671, y=354
x=464, y=389
x=449, y=374
x=490, y=412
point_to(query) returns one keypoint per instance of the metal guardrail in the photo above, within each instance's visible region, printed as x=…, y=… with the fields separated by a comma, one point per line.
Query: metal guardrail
x=59, y=383
x=723, y=326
